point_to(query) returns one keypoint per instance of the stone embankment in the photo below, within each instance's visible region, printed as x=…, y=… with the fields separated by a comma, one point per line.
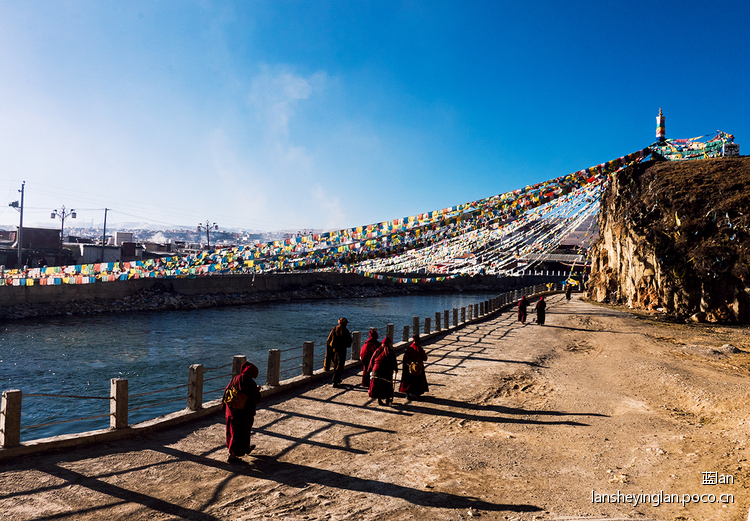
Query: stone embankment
x=675, y=236
x=159, y=299
x=149, y=295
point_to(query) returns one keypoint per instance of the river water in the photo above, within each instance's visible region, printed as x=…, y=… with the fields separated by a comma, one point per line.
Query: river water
x=79, y=355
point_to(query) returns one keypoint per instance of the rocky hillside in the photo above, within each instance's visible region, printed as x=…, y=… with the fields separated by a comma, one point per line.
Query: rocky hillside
x=675, y=236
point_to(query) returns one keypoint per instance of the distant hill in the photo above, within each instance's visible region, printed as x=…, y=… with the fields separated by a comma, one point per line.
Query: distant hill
x=676, y=236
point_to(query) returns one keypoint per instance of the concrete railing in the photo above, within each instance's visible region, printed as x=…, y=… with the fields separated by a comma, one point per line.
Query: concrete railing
x=10, y=409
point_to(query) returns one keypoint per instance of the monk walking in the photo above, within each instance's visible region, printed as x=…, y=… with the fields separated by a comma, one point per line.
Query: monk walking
x=413, y=378
x=523, y=306
x=383, y=365
x=338, y=342
x=239, y=402
x=541, y=311
x=365, y=354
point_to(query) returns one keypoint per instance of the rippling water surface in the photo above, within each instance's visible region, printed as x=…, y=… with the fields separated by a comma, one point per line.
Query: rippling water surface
x=79, y=355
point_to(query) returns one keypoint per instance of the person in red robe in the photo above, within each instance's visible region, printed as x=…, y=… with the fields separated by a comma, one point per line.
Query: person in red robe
x=413, y=378
x=541, y=311
x=383, y=365
x=523, y=306
x=240, y=418
x=365, y=354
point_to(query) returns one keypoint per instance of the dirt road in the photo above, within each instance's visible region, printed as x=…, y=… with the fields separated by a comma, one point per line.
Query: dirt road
x=521, y=422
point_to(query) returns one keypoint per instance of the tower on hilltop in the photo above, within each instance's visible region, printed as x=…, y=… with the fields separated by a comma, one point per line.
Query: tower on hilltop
x=660, y=132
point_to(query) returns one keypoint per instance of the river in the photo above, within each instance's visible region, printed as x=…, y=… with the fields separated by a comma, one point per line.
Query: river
x=78, y=355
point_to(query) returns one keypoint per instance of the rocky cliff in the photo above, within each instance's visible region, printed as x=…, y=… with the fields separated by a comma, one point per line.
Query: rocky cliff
x=675, y=236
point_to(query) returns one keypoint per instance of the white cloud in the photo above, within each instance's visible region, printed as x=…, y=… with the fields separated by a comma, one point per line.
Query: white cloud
x=274, y=94
x=330, y=205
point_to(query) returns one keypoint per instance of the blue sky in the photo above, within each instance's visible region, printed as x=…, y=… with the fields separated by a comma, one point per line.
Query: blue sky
x=289, y=115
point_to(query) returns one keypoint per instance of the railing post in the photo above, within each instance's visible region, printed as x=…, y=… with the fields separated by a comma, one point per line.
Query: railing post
x=356, y=345
x=463, y=314
x=481, y=308
x=427, y=326
x=469, y=309
x=308, y=355
x=415, y=325
x=237, y=362
x=274, y=363
x=389, y=330
x=455, y=317
x=437, y=321
x=118, y=403
x=476, y=310
x=445, y=319
x=406, y=334
x=10, y=418
x=195, y=387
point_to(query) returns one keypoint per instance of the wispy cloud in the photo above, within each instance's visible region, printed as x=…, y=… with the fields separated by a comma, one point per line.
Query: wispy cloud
x=330, y=205
x=275, y=93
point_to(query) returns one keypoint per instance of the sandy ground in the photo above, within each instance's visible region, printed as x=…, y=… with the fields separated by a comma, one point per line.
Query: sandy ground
x=522, y=422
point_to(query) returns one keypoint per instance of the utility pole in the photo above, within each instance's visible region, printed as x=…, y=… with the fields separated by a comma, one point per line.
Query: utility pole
x=207, y=227
x=15, y=205
x=104, y=233
x=62, y=214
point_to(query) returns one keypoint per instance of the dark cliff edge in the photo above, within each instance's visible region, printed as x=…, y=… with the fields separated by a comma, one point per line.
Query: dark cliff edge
x=674, y=236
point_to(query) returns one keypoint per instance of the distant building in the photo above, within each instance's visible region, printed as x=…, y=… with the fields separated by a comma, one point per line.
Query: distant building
x=38, y=238
x=123, y=237
x=94, y=253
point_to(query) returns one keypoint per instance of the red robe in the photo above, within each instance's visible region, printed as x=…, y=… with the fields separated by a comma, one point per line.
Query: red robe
x=523, y=305
x=382, y=365
x=413, y=383
x=240, y=421
x=368, y=349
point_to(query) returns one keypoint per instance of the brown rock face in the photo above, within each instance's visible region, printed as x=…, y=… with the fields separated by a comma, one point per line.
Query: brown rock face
x=676, y=236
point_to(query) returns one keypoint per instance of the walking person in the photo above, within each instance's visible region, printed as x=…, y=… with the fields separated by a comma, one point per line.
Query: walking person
x=365, y=354
x=541, y=311
x=568, y=291
x=523, y=306
x=239, y=402
x=338, y=342
x=383, y=365
x=413, y=378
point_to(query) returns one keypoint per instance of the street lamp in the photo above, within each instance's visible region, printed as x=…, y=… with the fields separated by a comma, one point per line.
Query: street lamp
x=19, y=207
x=207, y=226
x=62, y=214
